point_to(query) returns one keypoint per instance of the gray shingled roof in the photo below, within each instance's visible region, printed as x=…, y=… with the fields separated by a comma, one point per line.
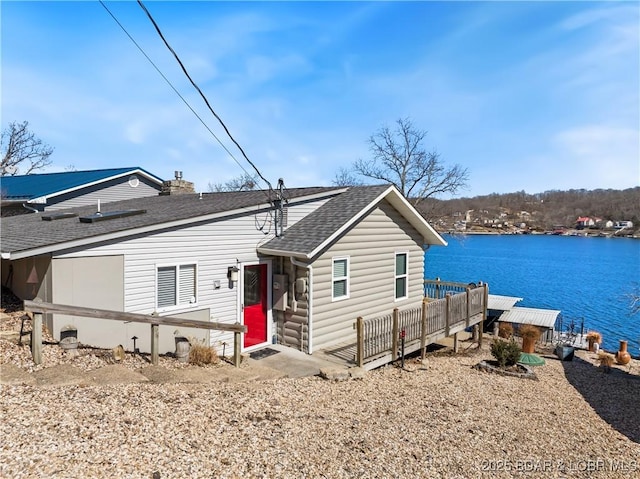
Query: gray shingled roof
x=29, y=231
x=312, y=231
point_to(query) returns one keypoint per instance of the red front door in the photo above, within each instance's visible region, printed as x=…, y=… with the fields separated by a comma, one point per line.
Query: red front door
x=255, y=304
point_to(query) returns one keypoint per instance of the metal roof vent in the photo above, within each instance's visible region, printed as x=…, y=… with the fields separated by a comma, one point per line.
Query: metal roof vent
x=110, y=215
x=58, y=216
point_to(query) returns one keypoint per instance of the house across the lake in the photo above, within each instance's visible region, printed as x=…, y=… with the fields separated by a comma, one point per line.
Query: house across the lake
x=298, y=275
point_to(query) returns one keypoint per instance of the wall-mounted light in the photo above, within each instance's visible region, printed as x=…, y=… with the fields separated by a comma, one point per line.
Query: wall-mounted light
x=232, y=274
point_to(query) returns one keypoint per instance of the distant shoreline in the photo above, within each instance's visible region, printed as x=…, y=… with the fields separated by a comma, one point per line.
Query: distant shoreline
x=570, y=233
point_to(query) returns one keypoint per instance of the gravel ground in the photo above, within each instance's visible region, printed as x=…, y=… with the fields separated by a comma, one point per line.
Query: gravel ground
x=85, y=358
x=438, y=419
x=444, y=419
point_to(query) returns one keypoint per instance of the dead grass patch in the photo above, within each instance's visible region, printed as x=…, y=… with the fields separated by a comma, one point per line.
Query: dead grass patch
x=201, y=354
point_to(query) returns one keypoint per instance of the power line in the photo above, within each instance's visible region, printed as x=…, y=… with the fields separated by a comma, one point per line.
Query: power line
x=176, y=91
x=202, y=94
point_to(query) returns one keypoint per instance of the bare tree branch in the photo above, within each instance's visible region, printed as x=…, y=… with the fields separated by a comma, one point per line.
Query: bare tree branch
x=245, y=182
x=345, y=177
x=22, y=149
x=398, y=157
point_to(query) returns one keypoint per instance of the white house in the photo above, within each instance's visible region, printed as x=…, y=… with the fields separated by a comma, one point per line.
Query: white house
x=623, y=224
x=339, y=253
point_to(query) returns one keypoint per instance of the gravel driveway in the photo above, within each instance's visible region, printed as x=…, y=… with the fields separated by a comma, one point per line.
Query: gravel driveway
x=442, y=420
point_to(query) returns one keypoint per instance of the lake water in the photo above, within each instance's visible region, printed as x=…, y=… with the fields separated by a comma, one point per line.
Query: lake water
x=583, y=277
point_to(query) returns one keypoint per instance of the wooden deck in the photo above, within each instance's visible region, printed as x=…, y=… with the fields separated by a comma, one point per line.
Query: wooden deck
x=451, y=309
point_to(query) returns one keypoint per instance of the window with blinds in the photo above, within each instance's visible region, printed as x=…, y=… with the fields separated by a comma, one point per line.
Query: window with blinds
x=401, y=276
x=340, y=278
x=176, y=285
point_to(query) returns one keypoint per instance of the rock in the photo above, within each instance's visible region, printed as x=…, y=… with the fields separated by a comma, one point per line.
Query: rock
x=334, y=374
x=116, y=374
x=12, y=374
x=10, y=335
x=61, y=375
x=118, y=353
x=357, y=373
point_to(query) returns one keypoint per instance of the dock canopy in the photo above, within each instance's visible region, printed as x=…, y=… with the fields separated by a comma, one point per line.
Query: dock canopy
x=502, y=303
x=545, y=318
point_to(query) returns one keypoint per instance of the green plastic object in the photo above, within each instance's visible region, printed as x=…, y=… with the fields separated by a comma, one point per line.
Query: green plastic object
x=530, y=359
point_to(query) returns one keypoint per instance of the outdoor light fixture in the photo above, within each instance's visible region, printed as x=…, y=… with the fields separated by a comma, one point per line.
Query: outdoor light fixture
x=232, y=274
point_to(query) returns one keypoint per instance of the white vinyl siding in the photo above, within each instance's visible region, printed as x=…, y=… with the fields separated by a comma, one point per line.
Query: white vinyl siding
x=371, y=246
x=115, y=190
x=340, y=278
x=215, y=246
x=176, y=286
x=402, y=276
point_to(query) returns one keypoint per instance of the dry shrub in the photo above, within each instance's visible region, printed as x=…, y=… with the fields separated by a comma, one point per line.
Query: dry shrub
x=201, y=354
x=505, y=330
x=594, y=336
x=606, y=361
x=529, y=331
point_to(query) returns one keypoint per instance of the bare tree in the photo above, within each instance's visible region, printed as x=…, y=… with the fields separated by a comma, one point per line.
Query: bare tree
x=399, y=158
x=346, y=177
x=244, y=182
x=21, y=149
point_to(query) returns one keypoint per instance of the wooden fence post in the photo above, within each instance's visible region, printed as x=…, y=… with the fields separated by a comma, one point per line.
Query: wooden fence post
x=447, y=315
x=155, y=343
x=423, y=330
x=360, y=341
x=437, y=288
x=236, y=348
x=468, y=290
x=394, y=336
x=36, y=338
x=484, y=314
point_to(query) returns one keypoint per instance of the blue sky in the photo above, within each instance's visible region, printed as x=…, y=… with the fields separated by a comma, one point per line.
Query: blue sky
x=527, y=95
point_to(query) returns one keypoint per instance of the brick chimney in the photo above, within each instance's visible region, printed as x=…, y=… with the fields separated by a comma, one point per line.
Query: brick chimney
x=177, y=186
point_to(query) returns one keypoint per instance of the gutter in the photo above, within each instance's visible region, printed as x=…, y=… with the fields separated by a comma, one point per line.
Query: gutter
x=6, y=255
x=27, y=207
x=309, y=268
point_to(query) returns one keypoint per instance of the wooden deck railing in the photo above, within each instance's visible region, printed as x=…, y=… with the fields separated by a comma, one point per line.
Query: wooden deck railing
x=39, y=307
x=436, y=289
x=435, y=318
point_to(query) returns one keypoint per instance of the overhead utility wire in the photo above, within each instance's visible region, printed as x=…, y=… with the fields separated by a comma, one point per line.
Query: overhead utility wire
x=173, y=88
x=202, y=94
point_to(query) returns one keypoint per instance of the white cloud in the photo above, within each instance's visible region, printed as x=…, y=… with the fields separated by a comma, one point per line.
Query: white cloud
x=262, y=68
x=601, y=155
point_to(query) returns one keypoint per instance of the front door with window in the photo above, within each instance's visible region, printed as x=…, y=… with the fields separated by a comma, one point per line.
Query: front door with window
x=255, y=304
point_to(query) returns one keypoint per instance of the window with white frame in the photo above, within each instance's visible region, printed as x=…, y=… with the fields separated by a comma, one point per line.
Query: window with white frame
x=402, y=276
x=340, y=278
x=176, y=285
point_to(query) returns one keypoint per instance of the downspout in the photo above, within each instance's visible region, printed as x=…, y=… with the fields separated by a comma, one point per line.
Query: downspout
x=309, y=268
x=24, y=205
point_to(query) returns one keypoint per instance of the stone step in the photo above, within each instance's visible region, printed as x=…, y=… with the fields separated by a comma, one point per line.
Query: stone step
x=10, y=335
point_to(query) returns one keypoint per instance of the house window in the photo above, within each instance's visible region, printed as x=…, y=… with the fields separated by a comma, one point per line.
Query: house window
x=401, y=276
x=176, y=285
x=340, y=278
